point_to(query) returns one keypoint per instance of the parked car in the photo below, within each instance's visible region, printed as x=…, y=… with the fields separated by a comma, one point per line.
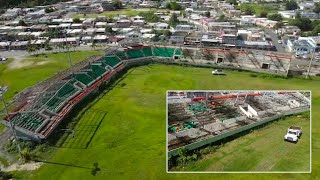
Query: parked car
x=3, y=58
x=218, y=72
x=293, y=134
x=280, y=41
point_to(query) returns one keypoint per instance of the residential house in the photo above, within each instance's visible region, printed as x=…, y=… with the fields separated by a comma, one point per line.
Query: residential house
x=193, y=38
x=178, y=37
x=161, y=26
x=303, y=45
x=123, y=23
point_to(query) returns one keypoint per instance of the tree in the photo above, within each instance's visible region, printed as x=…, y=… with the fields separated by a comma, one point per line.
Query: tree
x=316, y=30
x=234, y=2
x=173, y=6
x=222, y=18
x=5, y=175
x=26, y=155
x=77, y=20
x=109, y=30
x=247, y=9
x=278, y=25
x=207, y=14
x=173, y=21
x=117, y=4
x=275, y=17
x=49, y=10
x=94, y=45
x=31, y=49
x=316, y=8
x=291, y=5
x=303, y=23
x=22, y=23
x=263, y=14
x=150, y=16
x=167, y=33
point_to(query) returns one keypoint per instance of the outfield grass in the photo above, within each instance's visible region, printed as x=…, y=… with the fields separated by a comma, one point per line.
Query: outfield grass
x=130, y=142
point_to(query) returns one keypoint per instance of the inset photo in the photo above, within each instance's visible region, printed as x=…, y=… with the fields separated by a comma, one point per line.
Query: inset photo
x=239, y=131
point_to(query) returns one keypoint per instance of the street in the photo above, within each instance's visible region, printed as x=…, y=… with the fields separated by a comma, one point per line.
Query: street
x=274, y=37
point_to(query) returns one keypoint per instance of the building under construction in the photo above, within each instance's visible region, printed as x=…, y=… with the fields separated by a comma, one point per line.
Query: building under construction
x=199, y=118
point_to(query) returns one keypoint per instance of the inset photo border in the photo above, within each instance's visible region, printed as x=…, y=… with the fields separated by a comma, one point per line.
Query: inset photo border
x=238, y=131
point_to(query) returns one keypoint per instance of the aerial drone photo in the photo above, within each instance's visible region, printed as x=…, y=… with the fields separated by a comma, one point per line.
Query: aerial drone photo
x=234, y=131
x=159, y=89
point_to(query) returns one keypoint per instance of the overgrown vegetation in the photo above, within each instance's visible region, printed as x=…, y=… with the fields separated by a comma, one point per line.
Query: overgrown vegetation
x=258, y=9
x=291, y=5
x=149, y=16
x=173, y=21
x=26, y=3
x=173, y=6
x=185, y=157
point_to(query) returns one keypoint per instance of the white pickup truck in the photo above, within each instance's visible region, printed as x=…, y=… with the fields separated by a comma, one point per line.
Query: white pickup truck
x=218, y=72
x=293, y=134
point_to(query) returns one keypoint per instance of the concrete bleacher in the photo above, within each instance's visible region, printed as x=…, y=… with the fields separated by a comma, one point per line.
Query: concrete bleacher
x=112, y=61
x=83, y=78
x=30, y=121
x=135, y=53
x=163, y=52
x=147, y=51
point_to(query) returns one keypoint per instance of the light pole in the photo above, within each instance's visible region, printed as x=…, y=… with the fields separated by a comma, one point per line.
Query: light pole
x=2, y=91
x=307, y=75
x=68, y=48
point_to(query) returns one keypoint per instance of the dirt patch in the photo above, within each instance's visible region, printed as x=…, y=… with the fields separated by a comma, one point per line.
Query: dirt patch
x=17, y=64
x=23, y=167
x=20, y=63
x=42, y=63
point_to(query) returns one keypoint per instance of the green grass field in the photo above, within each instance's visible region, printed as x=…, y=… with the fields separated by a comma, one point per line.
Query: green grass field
x=128, y=12
x=35, y=69
x=128, y=129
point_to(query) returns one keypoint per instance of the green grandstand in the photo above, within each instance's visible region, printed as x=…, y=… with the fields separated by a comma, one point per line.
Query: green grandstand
x=58, y=99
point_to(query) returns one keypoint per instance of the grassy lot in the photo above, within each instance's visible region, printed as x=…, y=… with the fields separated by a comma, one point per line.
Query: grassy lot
x=128, y=129
x=261, y=150
x=128, y=12
x=20, y=74
x=270, y=8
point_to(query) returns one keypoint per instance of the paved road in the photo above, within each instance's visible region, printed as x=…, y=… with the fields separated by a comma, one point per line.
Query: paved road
x=274, y=37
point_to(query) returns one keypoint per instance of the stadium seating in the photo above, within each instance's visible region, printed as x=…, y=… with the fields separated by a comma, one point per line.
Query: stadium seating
x=163, y=52
x=122, y=55
x=92, y=74
x=54, y=103
x=67, y=90
x=83, y=78
x=135, y=53
x=97, y=69
x=111, y=60
x=30, y=121
x=178, y=52
x=147, y=51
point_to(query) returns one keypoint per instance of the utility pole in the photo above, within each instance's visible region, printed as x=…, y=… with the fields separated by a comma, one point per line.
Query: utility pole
x=310, y=63
x=68, y=48
x=2, y=91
